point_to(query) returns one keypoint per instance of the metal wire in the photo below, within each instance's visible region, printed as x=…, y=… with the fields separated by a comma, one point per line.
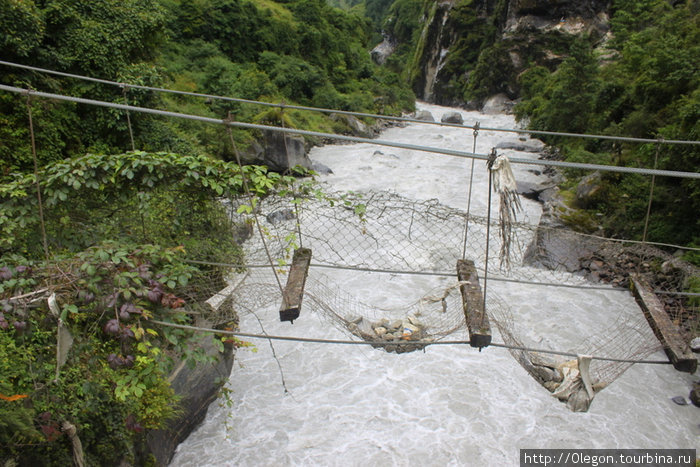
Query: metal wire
x=345, y=112
x=448, y=152
x=315, y=340
x=438, y=274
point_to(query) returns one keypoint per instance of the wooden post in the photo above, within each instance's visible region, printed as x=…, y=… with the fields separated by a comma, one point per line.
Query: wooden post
x=294, y=290
x=473, y=305
x=668, y=333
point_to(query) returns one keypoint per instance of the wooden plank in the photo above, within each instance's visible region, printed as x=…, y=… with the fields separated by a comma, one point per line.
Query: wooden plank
x=473, y=305
x=668, y=333
x=294, y=290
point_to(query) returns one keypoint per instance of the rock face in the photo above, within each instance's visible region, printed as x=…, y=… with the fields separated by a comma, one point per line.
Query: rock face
x=529, y=32
x=278, y=151
x=434, y=43
x=383, y=51
x=573, y=17
x=197, y=388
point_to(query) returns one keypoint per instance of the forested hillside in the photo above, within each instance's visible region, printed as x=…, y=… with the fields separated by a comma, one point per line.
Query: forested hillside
x=106, y=250
x=624, y=68
x=301, y=51
x=646, y=85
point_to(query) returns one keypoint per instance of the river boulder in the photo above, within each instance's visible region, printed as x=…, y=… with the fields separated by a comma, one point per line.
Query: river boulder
x=197, y=388
x=278, y=151
x=452, y=117
x=533, y=145
x=425, y=116
x=355, y=126
x=695, y=394
x=500, y=103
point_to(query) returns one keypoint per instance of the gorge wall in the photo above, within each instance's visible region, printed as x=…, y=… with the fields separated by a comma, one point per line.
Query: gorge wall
x=468, y=50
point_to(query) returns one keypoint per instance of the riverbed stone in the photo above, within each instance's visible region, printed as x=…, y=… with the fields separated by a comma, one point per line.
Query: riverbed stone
x=522, y=146
x=452, y=117
x=355, y=125
x=500, y=103
x=425, y=116
x=695, y=345
x=695, y=394
x=280, y=216
x=321, y=169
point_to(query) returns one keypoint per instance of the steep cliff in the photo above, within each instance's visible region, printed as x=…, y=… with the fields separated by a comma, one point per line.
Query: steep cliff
x=468, y=50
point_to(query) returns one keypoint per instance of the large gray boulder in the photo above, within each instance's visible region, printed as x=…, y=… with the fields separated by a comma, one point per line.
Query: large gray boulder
x=278, y=151
x=355, y=125
x=533, y=145
x=554, y=246
x=500, y=103
x=197, y=388
x=425, y=116
x=452, y=117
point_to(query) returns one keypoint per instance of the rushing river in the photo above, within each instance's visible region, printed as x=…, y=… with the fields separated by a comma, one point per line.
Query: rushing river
x=449, y=405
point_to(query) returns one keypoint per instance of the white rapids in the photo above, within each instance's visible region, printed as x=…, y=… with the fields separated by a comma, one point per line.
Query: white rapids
x=448, y=405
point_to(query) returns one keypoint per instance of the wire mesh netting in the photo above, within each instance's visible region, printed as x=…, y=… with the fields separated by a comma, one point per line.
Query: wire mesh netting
x=382, y=233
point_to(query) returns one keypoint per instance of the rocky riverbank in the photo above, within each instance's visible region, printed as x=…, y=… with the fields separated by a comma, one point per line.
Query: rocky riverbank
x=196, y=388
x=557, y=246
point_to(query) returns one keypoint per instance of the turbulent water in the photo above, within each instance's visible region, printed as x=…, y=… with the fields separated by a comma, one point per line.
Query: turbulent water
x=449, y=405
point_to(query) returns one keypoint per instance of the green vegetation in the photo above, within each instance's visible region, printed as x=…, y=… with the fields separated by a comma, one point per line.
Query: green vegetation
x=297, y=51
x=649, y=89
x=120, y=232
x=118, y=229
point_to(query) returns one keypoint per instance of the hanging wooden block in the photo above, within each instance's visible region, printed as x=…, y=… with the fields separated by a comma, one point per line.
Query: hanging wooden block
x=669, y=335
x=294, y=290
x=473, y=305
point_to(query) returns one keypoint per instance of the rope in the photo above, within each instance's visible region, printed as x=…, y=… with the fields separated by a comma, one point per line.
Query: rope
x=469, y=195
x=651, y=195
x=345, y=112
x=505, y=185
x=428, y=274
x=286, y=153
x=354, y=139
x=128, y=119
x=44, y=238
x=314, y=340
x=252, y=206
x=492, y=159
x=274, y=353
x=72, y=432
